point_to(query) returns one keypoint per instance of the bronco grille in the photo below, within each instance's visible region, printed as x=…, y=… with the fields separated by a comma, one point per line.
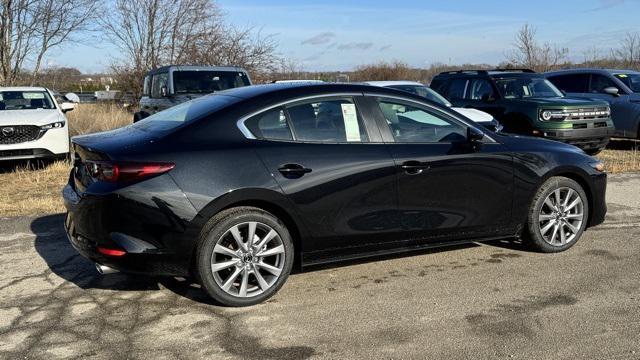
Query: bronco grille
x=590, y=113
x=19, y=134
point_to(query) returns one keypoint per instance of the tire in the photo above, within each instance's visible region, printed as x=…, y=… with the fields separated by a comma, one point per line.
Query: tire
x=558, y=236
x=231, y=259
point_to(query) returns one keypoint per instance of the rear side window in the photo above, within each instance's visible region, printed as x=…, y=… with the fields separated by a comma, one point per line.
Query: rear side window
x=271, y=124
x=330, y=120
x=574, y=83
x=457, y=89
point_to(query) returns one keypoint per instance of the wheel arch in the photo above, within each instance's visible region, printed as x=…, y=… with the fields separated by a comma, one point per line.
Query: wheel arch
x=578, y=175
x=268, y=200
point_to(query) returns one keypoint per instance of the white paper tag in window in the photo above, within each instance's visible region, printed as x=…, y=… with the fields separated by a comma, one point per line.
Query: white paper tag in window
x=350, y=117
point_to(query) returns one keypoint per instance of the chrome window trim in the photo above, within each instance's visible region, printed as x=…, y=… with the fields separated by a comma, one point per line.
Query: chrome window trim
x=249, y=135
x=455, y=116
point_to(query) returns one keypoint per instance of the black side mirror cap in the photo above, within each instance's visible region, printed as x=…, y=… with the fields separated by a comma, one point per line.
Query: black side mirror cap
x=474, y=135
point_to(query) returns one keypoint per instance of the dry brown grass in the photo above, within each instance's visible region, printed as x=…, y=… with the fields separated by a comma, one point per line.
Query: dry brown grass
x=32, y=191
x=90, y=118
x=621, y=156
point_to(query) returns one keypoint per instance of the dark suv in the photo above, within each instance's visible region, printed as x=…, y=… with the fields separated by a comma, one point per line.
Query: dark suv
x=174, y=84
x=620, y=88
x=525, y=102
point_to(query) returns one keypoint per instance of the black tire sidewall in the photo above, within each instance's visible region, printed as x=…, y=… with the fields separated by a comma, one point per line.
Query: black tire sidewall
x=217, y=227
x=547, y=188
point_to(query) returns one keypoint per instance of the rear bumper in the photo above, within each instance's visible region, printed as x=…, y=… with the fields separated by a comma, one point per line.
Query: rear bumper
x=585, y=139
x=156, y=241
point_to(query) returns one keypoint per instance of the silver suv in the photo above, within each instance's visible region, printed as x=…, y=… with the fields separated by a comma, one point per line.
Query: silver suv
x=174, y=84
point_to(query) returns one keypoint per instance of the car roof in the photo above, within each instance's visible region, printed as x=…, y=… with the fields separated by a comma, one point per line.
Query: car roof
x=22, y=88
x=592, y=70
x=488, y=74
x=392, y=83
x=195, y=68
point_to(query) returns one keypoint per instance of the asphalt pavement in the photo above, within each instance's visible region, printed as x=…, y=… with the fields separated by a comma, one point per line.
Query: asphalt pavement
x=481, y=301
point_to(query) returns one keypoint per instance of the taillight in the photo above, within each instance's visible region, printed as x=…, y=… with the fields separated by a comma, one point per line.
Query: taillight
x=111, y=252
x=109, y=171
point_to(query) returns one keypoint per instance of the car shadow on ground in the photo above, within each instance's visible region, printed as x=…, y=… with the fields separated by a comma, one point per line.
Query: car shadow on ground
x=64, y=261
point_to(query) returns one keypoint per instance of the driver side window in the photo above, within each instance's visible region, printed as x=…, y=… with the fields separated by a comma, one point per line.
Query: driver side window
x=410, y=124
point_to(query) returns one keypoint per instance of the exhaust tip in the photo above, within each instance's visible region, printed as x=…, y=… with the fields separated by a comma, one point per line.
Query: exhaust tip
x=105, y=270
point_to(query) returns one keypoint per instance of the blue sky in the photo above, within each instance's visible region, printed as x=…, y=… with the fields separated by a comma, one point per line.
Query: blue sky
x=341, y=34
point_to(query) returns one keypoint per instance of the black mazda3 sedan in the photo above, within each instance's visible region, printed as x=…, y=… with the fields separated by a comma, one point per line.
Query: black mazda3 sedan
x=238, y=187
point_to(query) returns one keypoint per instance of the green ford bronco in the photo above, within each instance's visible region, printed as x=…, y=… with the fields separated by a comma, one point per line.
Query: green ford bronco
x=524, y=102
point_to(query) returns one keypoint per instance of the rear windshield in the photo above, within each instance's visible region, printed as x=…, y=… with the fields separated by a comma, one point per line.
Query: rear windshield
x=181, y=114
x=25, y=100
x=631, y=80
x=205, y=82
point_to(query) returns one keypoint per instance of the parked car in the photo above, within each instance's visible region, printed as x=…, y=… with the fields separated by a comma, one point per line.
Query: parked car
x=237, y=187
x=414, y=87
x=32, y=124
x=172, y=85
x=526, y=103
x=620, y=88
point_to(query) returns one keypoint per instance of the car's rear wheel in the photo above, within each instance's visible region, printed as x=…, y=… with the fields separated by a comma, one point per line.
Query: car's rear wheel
x=244, y=256
x=558, y=215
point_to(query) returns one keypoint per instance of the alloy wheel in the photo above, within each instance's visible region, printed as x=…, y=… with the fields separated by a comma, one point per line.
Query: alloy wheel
x=248, y=259
x=561, y=216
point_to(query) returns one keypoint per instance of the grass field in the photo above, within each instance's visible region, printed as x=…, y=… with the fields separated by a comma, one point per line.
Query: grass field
x=36, y=190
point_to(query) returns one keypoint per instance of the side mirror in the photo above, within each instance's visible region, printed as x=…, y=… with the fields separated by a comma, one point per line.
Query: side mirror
x=474, y=135
x=67, y=106
x=613, y=91
x=163, y=91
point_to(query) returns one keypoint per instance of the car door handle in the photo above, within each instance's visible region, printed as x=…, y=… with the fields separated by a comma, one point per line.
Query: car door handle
x=414, y=167
x=293, y=170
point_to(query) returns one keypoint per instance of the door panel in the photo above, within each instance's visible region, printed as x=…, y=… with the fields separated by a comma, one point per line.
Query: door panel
x=447, y=187
x=460, y=189
x=346, y=194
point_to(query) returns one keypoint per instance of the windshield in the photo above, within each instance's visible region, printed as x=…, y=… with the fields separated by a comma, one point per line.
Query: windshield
x=631, y=80
x=423, y=91
x=205, y=82
x=25, y=100
x=520, y=87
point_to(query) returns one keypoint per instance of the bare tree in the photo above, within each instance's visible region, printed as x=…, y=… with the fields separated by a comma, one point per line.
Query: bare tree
x=629, y=51
x=152, y=33
x=539, y=57
x=58, y=22
x=17, y=37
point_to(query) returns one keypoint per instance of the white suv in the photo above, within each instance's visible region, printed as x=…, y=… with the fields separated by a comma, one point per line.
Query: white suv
x=32, y=124
x=480, y=117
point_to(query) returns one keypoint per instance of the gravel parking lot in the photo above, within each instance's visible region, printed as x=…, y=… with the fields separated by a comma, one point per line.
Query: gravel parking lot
x=492, y=300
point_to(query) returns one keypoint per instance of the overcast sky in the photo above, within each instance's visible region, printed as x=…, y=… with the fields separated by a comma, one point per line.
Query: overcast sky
x=341, y=34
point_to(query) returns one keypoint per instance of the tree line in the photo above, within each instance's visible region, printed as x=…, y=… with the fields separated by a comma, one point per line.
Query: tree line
x=147, y=33
x=153, y=33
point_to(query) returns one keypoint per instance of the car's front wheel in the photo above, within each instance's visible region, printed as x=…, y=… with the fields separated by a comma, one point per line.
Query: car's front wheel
x=244, y=256
x=558, y=215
